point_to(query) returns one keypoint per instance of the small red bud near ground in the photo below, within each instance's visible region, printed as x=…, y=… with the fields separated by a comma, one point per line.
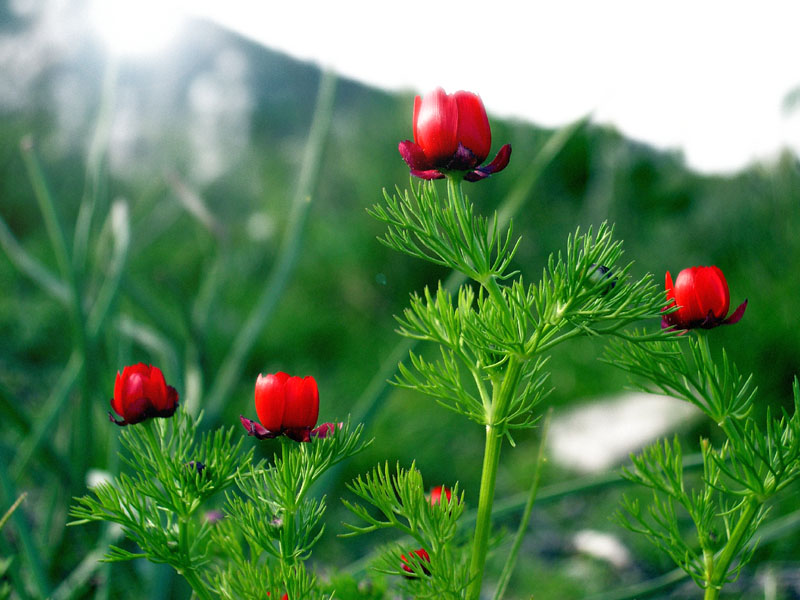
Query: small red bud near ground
x=421, y=553
x=436, y=494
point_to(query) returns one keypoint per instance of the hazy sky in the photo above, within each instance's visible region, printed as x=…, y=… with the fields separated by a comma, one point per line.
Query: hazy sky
x=712, y=78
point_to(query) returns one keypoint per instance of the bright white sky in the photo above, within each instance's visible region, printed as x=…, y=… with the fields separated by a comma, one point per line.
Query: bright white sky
x=708, y=77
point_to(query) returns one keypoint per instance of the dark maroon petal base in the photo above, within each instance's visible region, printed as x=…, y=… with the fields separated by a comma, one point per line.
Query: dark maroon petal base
x=325, y=430
x=499, y=163
x=256, y=429
x=298, y=434
x=462, y=160
x=428, y=175
x=710, y=322
x=148, y=413
x=414, y=156
x=737, y=314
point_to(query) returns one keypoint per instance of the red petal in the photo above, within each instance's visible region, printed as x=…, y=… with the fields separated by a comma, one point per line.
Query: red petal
x=302, y=403
x=436, y=494
x=326, y=429
x=436, y=125
x=685, y=292
x=715, y=291
x=271, y=400
x=155, y=388
x=473, y=125
x=132, y=389
x=116, y=401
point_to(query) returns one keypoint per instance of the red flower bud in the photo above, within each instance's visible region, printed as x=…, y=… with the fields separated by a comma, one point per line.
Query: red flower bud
x=285, y=405
x=451, y=133
x=140, y=393
x=703, y=297
x=421, y=553
x=436, y=494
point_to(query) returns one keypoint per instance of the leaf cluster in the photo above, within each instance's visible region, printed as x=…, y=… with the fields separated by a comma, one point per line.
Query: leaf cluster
x=473, y=354
x=585, y=291
x=763, y=462
x=253, y=579
x=481, y=333
x=722, y=522
x=397, y=500
x=172, y=474
x=271, y=504
x=272, y=523
x=445, y=231
x=269, y=523
x=753, y=464
x=721, y=391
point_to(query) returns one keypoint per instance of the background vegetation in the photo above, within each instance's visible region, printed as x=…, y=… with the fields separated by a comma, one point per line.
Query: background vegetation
x=199, y=157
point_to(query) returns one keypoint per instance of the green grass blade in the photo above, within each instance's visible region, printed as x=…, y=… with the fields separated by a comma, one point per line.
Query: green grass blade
x=231, y=368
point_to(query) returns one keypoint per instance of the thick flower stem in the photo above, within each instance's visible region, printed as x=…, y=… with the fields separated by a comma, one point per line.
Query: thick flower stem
x=504, y=390
x=491, y=458
x=511, y=561
x=718, y=571
x=189, y=572
x=287, y=537
x=712, y=593
x=483, y=523
x=196, y=583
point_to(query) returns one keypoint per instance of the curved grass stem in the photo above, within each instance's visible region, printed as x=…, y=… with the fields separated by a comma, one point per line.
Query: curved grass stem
x=287, y=257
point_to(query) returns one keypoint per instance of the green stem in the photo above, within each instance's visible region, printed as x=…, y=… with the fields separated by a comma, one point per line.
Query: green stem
x=479, y=263
x=197, y=584
x=287, y=536
x=496, y=412
x=491, y=458
x=712, y=593
x=483, y=523
x=188, y=570
x=511, y=562
x=718, y=570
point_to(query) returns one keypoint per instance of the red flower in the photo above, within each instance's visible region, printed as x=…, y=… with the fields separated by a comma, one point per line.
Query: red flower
x=422, y=554
x=140, y=393
x=436, y=494
x=285, y=406
x=451, y=133
x=284, y=597
x=703, y=297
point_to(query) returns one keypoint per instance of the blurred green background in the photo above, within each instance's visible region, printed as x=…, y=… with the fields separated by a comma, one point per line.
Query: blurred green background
x=213, y=223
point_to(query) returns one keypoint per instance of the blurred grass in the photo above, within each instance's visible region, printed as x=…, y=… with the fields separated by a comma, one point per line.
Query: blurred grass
x=116, y=253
